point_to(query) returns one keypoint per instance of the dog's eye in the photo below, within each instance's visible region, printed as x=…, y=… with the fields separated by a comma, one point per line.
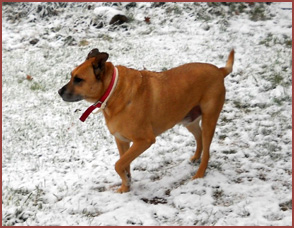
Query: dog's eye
x=77, y=80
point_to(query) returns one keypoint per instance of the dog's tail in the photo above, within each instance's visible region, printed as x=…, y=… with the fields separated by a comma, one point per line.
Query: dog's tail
x=229, y=65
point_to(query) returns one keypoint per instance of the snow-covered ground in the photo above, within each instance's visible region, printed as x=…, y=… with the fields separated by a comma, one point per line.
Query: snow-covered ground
x=57, y=170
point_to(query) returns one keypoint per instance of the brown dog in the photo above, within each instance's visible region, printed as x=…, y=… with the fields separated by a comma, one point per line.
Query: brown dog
x=144, y=104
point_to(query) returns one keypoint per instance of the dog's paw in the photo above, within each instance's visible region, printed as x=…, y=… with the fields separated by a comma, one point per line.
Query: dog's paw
x=194, y=159
x=198, y=175
x=123, y=189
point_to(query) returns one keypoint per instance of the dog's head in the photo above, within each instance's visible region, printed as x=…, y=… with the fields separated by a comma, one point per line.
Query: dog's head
x=87, y=79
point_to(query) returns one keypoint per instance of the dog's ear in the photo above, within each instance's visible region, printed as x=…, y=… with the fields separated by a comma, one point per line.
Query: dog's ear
x=99, y=63
x=93, y=53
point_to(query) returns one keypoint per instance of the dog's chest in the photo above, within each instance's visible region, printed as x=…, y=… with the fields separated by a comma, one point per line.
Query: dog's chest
x=120, y=137
x=113, y=128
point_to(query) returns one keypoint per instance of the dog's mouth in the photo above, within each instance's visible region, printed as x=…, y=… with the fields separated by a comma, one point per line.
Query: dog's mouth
x=69, y=97
x=72, y=99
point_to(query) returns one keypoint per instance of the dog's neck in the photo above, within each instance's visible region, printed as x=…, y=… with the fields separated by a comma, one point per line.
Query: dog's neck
x=102, y=102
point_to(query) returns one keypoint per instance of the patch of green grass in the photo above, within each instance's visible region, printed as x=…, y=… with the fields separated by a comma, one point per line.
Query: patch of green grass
x=286, y=205
x=258, y=13
x=225, y=119
x=271, y=40
x=222, y=137
x=229, y=151
x=37, y=86
x=20, y=80
x=266, y=131
x=287, y=41
x=217, y=193
x=83, y=43
x=21, y=198
x=277, y=73
x=282, y=100
x=240, y=105
x=267, y=41
x=216, y=165
x=276, y=78
x=91, y=214
x=241, y=7
x=278, y=101
x=174, y=9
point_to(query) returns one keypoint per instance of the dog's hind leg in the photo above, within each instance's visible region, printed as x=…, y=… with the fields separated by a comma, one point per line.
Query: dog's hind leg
x=210, y=114
x=195, y=129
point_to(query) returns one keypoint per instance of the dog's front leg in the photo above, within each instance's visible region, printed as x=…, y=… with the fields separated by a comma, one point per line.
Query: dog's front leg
x=138, y=147
x=123, y=147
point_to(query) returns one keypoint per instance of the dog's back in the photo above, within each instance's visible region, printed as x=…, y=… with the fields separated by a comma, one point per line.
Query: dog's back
x=182, y=88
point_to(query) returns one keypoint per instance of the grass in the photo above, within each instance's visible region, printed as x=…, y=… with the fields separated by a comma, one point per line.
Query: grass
x=242, y=106
x=84, y=43
x=238, y=8
x=258, y=13
x=229, y=151
x=271, y=40
x=281, y=101
x=276, y=78
x=22, y=199
x=287, y=41
x=286, y=205
x=222, y=137
x=267, y=41
x=37, y=86
x=278, y=73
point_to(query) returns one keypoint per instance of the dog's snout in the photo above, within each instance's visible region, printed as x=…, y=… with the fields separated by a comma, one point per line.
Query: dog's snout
x=68, y=95
x=61, y=91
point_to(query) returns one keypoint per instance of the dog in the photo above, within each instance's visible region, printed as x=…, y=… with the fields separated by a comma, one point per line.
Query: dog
x=139, y=105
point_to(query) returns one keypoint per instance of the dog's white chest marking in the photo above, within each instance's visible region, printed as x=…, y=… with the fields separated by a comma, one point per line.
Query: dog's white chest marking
x=120, y=137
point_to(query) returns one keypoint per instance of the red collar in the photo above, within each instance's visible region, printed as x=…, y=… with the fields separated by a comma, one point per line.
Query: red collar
x=101, y=103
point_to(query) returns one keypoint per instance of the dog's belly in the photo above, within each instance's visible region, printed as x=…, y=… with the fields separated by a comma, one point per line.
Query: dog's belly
x=166, y=123
x=191, y=116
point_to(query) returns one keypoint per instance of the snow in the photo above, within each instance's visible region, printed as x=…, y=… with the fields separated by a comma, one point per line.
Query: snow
x=57, y=170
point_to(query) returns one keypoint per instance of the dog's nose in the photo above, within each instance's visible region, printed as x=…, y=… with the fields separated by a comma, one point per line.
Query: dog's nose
x=61, y=91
